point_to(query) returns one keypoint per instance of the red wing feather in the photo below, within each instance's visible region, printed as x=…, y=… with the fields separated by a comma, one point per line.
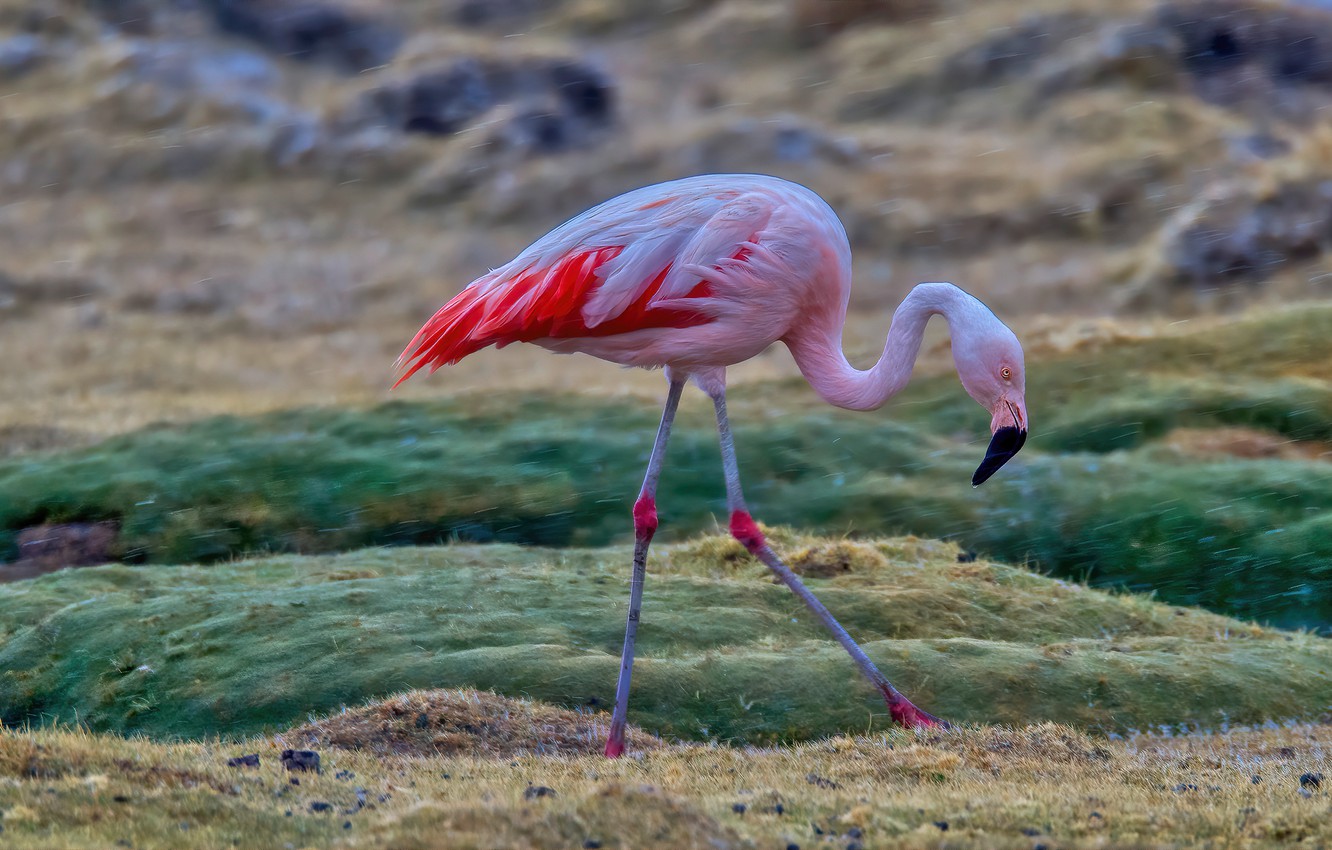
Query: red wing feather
x=537, y=303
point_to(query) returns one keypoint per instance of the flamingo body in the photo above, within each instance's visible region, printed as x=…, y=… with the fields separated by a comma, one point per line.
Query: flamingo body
x=696, y=275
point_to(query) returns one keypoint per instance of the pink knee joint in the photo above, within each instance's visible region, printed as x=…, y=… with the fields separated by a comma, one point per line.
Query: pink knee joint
x=645, y=517
x=744, y=529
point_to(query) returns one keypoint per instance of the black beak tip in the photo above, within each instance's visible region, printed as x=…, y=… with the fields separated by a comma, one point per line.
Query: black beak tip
x=1005, y=443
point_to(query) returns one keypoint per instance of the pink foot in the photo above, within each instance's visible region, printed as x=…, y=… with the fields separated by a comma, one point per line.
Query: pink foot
x=614, y=748
x=906, y=714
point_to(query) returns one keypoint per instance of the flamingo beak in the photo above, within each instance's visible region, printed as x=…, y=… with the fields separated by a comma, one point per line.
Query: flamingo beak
x=1010, y=433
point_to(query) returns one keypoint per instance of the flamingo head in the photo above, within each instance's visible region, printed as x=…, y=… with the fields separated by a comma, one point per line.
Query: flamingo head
x=990, y=366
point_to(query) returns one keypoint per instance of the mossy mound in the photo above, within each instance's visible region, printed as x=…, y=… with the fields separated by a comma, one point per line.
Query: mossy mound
x=724, y=653
x=446, y=722
x=1102, y=493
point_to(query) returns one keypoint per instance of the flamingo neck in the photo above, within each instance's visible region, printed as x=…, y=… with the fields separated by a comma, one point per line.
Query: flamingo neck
x=821, y=360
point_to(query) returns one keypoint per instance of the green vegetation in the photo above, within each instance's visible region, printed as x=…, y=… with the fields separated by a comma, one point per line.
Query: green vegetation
x=1095, y=496
x=237, y=648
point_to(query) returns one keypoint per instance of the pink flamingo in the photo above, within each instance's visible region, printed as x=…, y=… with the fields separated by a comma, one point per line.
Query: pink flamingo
x=695, y=275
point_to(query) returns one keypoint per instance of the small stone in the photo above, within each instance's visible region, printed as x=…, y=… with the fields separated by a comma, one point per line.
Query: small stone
x=857, y=832
x=535, y=791
x=1311, y=780
x=346, y=824
x=320, y=806
x=738, y=808
x=344, y=774
x=422, y=720
x=1030, y=831
x=303, y=760
x=120, y=798
x=942, y=824
x=591, y=844
x=1255, y=779
x=251, y=760
x=793, y=846
x=819, y=781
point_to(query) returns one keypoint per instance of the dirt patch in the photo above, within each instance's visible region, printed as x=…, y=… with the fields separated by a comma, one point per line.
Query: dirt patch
x=1247, y=443
x=464, y=722
x=827, y=560
x=54, y=546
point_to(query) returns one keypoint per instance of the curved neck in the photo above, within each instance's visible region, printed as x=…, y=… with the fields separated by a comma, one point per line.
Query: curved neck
x=821, y=360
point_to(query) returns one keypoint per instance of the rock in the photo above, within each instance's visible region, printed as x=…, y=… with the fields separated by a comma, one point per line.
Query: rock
x=556, y=104
x=321, y=806
x=486, y=13
x=1239, y=240
x=251, y=760
x=815, y=21
x=20, y=296
x=1311, y=780
x=20, y=54
x=301, y=760
x=1268, y=60
x=820, y=782
x=534, y=792
x=310, y=31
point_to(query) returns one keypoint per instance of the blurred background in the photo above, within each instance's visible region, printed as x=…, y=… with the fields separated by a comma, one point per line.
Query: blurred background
x=221, y=220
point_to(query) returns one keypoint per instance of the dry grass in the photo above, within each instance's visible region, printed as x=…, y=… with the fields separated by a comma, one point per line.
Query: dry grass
x=975, y=787
x=463, y=722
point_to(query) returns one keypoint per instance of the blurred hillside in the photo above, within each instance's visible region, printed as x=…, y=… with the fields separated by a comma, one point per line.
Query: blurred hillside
x=233, y=205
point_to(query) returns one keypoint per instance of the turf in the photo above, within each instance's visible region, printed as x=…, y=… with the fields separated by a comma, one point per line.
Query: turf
x=727, y=655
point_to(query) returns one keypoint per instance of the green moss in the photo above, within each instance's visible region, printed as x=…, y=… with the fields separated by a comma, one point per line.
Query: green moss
x=726, y=653
x=1091, y=497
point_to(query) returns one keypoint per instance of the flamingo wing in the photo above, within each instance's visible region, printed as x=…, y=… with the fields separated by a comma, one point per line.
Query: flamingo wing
x=646, y=259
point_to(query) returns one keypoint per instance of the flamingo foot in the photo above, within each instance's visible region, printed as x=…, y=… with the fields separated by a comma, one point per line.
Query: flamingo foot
x=615, y=743
x=906, y=714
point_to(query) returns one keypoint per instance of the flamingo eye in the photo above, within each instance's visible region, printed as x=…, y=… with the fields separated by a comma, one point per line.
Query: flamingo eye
x=1006, y=373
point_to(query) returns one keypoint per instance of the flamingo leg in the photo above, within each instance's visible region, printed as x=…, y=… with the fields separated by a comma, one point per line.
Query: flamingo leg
x=744, y=529
x=645, y=525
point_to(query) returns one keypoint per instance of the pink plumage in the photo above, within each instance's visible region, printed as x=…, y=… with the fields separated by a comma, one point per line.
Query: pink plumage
x=696, y=275
x=541, y=303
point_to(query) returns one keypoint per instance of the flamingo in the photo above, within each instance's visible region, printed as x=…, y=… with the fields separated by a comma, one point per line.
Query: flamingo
x=696, y=275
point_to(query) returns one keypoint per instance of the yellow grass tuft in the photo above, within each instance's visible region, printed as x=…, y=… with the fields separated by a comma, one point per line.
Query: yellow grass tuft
x=464, y=722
